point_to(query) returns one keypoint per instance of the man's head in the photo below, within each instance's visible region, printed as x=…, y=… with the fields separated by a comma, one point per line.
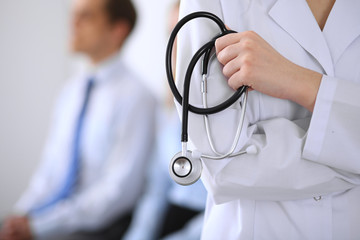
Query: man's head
x=100, y=27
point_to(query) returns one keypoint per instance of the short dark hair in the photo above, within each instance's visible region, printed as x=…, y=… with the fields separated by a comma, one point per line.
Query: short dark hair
x=121, y=10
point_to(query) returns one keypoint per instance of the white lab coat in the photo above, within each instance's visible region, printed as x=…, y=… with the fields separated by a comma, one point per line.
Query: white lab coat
x=301, y=155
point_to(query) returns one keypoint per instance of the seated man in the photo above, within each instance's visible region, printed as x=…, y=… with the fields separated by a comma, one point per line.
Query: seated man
x=94, y=160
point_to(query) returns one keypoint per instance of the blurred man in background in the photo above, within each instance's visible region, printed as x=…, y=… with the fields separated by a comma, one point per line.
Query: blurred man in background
x=94, y=160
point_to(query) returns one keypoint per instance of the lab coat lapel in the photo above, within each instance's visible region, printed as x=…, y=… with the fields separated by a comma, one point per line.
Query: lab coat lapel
x=296, y=18
x=342, y=29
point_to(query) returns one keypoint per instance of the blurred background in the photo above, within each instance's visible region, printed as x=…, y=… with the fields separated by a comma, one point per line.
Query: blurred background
x=34, y=64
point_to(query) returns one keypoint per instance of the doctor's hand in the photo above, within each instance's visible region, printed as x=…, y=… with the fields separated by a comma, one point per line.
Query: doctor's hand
x=249, y=60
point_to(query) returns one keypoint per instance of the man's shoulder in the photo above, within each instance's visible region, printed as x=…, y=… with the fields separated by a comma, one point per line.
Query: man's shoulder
x=129, y=78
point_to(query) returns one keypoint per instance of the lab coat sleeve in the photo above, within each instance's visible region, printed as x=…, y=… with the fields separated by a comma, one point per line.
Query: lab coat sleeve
x=119, y=184
x=334, y=133
x=279, y=171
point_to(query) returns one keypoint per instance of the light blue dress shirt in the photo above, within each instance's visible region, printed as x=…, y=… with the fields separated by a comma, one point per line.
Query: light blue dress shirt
x=117, y=138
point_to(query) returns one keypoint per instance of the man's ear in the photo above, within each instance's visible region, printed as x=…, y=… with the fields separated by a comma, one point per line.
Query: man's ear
x=121, y=30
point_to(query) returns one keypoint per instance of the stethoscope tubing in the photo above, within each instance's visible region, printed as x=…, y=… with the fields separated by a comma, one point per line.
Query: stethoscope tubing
x=204, y=50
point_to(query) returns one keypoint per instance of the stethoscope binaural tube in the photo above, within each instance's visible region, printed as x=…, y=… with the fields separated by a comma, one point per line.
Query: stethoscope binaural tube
x=181, y=171
x=184, y=101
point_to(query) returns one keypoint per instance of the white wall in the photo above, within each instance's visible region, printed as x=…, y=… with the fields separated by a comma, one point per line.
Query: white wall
x=34, y=62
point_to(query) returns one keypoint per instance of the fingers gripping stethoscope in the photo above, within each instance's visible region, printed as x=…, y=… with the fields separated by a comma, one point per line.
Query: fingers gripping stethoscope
x=185, y=167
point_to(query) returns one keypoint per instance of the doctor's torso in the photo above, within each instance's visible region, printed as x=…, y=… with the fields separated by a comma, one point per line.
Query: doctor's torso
x=291, y=29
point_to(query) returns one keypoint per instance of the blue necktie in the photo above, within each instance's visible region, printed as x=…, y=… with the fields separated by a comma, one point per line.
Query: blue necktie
x=73, y=171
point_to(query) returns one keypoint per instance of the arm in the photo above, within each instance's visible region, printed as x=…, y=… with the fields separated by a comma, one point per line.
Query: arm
x=249, y=60
x=44, y=181
x=279, y=171
x=333, y=137
x=151, y=208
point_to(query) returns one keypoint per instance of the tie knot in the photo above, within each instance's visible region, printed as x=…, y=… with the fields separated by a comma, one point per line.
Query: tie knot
x=89, y=85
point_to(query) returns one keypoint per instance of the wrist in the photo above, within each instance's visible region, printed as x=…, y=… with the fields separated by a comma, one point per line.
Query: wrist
x=306, y=88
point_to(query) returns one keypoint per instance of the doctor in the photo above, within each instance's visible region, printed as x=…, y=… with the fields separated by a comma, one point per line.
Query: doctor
x=302, y=61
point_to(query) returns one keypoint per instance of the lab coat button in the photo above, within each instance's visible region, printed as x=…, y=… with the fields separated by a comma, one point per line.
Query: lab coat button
x=317, y=198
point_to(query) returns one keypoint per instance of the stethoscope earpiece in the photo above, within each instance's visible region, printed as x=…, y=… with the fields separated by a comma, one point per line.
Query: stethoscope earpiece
x=185, y=170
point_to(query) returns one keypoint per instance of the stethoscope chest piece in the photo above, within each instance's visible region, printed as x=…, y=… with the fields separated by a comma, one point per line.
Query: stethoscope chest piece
x=185, y=170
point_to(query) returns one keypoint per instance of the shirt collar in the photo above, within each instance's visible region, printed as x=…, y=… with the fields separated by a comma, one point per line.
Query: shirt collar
x=102, y=70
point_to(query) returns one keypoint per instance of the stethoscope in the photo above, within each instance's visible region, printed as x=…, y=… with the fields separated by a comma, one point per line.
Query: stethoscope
x=185, y=167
